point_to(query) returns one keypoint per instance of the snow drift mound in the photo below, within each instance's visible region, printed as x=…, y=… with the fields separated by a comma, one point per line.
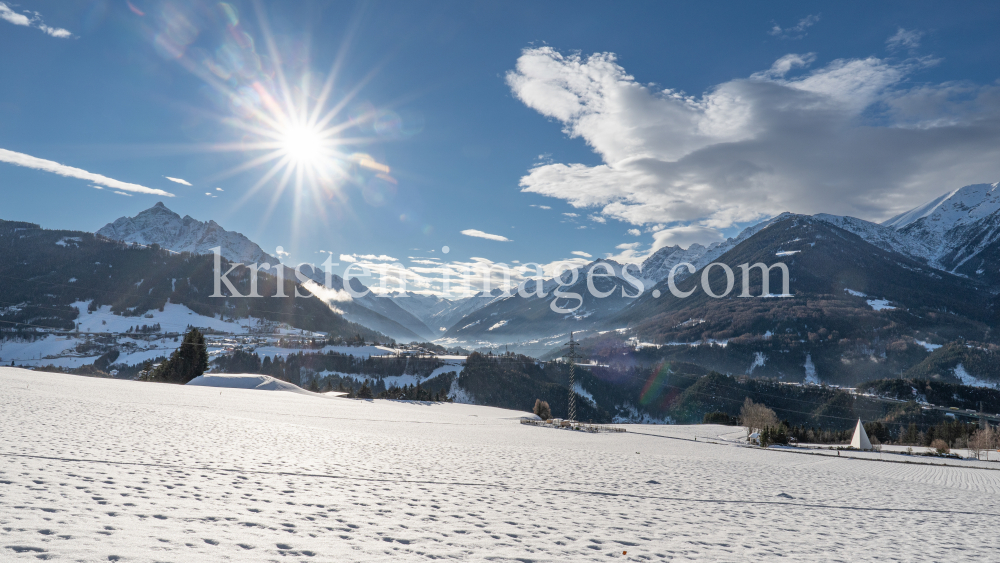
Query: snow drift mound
x=246, y=381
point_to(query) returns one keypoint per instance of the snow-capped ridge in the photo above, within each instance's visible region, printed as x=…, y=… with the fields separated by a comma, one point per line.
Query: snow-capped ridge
x=657, y=267
x=957, y=232
x=161, y=226
x=965, y=205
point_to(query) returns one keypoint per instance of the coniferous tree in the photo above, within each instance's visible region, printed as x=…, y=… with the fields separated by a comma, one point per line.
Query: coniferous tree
x=186, y=363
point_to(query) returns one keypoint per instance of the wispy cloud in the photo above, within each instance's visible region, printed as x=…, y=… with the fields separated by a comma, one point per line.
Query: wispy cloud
x=28, y=161
x=367, y=258
x=481, y=234
x=581, y=253
x=540, y=206
x=908, y=39
x=797, y=31
x=634, y=232
x=178, y=181
x=34, y=21
x=123, y=193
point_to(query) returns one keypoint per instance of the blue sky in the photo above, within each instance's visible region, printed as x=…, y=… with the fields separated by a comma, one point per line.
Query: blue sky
x=475, y=115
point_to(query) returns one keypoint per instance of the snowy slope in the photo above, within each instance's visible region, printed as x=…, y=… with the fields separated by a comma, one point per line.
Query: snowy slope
x=884, y=237
x=246, y=381
x=958, y=232
x=963, y=206
x=100, y=470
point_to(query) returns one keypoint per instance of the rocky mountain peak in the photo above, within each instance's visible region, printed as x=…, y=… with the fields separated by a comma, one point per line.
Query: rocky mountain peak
x=159, y=225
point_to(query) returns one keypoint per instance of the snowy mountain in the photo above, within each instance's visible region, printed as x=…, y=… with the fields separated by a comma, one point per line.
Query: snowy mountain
x=532, y=317
x=513, y=318
x=441, y=314
x=66, y=280
x=657, y=267
x=958, y=232
x=963, y=206
x=159, y=225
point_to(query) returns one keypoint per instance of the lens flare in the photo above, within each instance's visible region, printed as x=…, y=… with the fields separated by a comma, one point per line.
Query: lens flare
x=656, y=384
x=304, y=131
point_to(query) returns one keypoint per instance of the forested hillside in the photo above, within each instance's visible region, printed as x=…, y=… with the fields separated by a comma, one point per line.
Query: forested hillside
x=45, y=271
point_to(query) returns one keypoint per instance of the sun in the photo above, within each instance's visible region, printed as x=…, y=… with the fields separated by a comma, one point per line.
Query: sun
x=303, y=129
x=303, y=145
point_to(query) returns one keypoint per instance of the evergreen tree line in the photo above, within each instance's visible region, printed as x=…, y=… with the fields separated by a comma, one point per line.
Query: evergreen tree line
x=414, y=393
x=296, y=368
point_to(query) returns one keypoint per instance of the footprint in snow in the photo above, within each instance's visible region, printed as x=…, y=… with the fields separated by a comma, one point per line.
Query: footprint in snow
x=786, y=495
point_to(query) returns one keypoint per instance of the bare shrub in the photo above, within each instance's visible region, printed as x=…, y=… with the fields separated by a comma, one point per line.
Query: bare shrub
x=982, y=441
x=756, y=417
x=542, y=409
x=941, y=446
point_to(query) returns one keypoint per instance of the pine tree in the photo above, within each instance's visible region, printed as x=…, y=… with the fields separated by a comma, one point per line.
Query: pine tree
x=186, y=363
x=365, y=392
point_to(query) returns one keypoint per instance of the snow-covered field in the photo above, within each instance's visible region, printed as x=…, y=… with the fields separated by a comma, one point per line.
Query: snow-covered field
x=107, y=470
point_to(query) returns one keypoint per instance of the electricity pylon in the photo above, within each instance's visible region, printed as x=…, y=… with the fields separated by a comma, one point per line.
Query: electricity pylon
x=572, y=357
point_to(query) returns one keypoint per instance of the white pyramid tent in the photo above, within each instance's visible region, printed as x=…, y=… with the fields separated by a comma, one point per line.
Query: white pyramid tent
x=860, y=439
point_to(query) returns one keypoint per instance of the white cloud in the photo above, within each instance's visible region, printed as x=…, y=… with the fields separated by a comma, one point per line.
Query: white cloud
x=634, y=232
x=541, y=206
x=367, y=258
x=629, y=245
x=685, y=236
x=853, y=137
x=10, y=16
x=481, y=234
x=218, y=189
x=55, y=31
x=178, y=181
x=581, y=253
x=908, y=39
x=597, y=218
x=797, y=31
x=571, y=214
x=123, y=193
x=27, y=161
